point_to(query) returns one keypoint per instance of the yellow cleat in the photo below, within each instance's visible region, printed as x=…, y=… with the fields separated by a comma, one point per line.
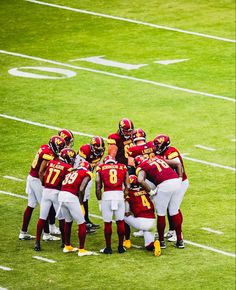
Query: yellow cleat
x=83, y=252
x=69, y=249
x=157, y=248
x=127, y=244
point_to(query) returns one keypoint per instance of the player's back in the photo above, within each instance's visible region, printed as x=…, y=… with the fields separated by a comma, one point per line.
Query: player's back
x=55, y=174
x=157, y=170
x=73, y=180
x=140, y=204
x=44, y=153
x=146, y=150
x=112, y=176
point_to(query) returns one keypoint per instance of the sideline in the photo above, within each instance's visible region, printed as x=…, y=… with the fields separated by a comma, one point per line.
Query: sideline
x=187, y=242
x=119, y=76
x=130, y=20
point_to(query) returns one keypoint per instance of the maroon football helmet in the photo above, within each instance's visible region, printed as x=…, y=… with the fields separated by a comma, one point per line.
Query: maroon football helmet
x=68, y=155
x=68, y=136
x=97, y=145
x=109, y=159
x=125, y=128
x=161, y=142
x=139, y=159
x=133, y=181
x=56, y=144
x=138, y=135
x=85, y=165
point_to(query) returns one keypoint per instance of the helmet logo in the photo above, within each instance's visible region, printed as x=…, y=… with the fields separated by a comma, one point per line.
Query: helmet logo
x=63, y=135
x=161, y=140
x=58, y=141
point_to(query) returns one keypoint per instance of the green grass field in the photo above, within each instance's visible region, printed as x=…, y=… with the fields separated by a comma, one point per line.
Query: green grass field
x=192, y=101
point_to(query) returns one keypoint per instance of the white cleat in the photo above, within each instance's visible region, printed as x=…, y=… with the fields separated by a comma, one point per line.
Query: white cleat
x=48, y=237
x=83, y=252
x=54, y=230
x=138, y=234
x=172, y=236
x=69, y=249
x=25, y=236
x=169, y=234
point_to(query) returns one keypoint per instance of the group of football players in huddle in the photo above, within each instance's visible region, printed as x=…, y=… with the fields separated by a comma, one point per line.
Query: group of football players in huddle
x=138, y=183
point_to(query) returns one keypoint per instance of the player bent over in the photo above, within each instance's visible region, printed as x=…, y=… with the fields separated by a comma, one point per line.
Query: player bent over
x=71, y=205
x=54, y=175
x=112, y=176
x=165, y=196
x=140, y=215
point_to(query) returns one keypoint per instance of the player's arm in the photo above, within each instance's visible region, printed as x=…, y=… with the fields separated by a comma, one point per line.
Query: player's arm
x=42, y=169
x=177, y=165
x=98, y=186
x=141, y=181
x=112, y=150
x=126, y=184
x=82, y=188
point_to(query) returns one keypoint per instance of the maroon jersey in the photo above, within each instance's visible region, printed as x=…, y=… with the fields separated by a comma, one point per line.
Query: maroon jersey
x=172, y=153
x=44, y=153
x=55, y=173
x=86, y=152
x=147, y=149
x=112, y=175
x=73, y=180
x=157, y=170
x=123, y=146
x=140, y=204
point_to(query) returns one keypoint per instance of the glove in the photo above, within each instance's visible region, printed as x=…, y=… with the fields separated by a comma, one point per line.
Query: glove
x=100, y=205
x=152, y=192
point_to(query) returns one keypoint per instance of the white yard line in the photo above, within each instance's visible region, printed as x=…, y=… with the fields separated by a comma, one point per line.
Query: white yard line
x=1, y=288
x=209, y=163
x=234, y=140
x=210, y=249
x=212, y=231
x=89, y=135
x=131, y=20
x=5, y=268
x=187, y=242
x=13, y=178
x=44, y=259
x=13, y=194
x=205, y=148
x=119, y=76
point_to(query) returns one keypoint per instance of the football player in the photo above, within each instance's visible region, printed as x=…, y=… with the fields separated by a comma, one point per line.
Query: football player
x=68, y=136
x=163, y=148
x=71, y=205
x=112, y=176
x=54, y=175
x=34, y=181
x=92, y=153
x=139, y=213
x=120, y=142
x=167, y=183
x=140, y=147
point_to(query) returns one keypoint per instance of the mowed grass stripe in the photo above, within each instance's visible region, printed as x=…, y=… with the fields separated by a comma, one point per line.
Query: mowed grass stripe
x=119, y=76
x=89, y=135
x=187, y=242
x=131, y=20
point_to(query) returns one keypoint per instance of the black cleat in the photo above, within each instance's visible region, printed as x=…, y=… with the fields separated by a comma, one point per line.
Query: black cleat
x=92, y=225
x=179, y=244
x=121, y=250
x=37, y=246
x=89, y=229
x=162, y=244
x=106, y=250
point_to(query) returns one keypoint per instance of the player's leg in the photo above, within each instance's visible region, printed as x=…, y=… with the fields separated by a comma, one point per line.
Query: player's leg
x=107, y=214
x=33, y=185
x=118, y=207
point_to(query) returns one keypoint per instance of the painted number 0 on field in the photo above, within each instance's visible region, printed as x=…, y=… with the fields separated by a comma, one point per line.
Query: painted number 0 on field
x=60, y=73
